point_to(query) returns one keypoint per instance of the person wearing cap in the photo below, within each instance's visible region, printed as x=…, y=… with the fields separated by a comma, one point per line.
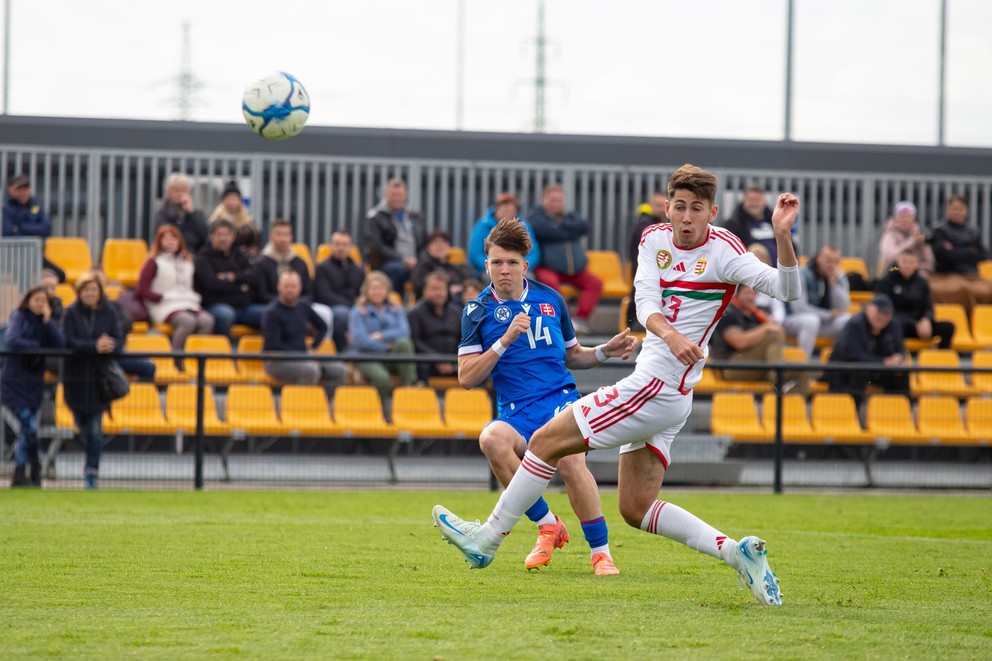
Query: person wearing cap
x=902, y=233
x=178, y=210
x=436, y=256
x=393, y=235
x=871, y=336
x=232, y=208
x=910, y=294
x=23, y=215
x=957, y=249
x=505, y=205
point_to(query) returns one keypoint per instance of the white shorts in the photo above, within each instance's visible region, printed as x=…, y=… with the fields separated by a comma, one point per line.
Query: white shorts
x=639, y=411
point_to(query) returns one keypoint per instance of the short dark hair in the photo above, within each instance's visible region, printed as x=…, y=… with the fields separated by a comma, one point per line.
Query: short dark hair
x=958, y=197
x=222, y=223
x=281, y=222
x=438, y=275
x=509, y=234
x=754, y=188
x=697, y=181
x=23, y=306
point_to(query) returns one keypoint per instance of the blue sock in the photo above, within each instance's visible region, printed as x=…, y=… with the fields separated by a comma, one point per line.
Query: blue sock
x=538, y=510
x=596, y=532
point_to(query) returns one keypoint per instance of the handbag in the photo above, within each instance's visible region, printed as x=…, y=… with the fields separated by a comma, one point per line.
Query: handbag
x=113, y=381
x=133, y=306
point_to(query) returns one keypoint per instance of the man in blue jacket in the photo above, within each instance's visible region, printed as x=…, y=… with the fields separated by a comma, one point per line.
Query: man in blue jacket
x=505, y=206
x=563, y=257
x=23, y=215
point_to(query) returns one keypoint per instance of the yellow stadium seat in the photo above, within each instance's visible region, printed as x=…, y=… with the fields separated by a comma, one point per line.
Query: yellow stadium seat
x=981, y=383
x=859, y=298
x=736, y=415
x=65, y=293
x=466, y=412
x=305, y=411
x=457, y=255
x=835, y=416
x=622, y=318
x=854, y=265
x=63, y=416
x=963, y=341
x=797, y=355
x=795, y=422
x=358, y=412
x=71, y=254
x=356, y=255
x=220, y=371
x=606, y=264
x=323, y=252
x=890, y=417
x=139, y=412
x=165, y=366
x=180, y=410
x=251, y=370
x=939, y=421
x=113, y=292
x=327, y=347
x=710, y=382
x=303, y=251
x=939, y=383
x=978, y=418
x=417, y=411
x=985, y=269
x=981, y=325
x=122, y=260
x=251, y=410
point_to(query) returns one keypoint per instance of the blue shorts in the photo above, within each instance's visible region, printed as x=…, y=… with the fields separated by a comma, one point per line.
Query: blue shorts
x=528, y=419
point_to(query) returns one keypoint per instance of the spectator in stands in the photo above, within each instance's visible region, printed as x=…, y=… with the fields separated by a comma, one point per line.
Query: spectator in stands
x=178, y=210
x=436, y=326
x=232, y=208
x=910, y=295
x=437, y=257
x=744, y=333
x=505, y=205
x=902, y=233
x=822, y=308
x=226, y=281
x=870, y=337
x=23, y=215
x=22, y=383
x=957, y=248
x=50, y=281
x=142, y=368
x=93, y=332
x=284, y=328
x=563, y=257
x=471, y=289
x=393, y=235
x=771, y=307
x=648, y=214
x=165, y=284
x=277, y=258
x=336, y=285
x=751, y=221
x=379, y=326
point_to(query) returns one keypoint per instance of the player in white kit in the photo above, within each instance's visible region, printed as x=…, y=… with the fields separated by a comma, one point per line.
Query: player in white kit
x=687, y=272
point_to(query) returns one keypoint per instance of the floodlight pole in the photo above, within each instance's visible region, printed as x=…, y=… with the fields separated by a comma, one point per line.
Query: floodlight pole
x=460, y=67
x=788, y=70
x=942, y=98
x=6, y=56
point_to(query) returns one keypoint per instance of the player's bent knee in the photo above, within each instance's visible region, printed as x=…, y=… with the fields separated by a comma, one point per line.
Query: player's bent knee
x=493, y=442
x=572, y=465
x=633, y=511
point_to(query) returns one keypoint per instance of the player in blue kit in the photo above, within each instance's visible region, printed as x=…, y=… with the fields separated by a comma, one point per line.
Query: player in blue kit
x=519, y=332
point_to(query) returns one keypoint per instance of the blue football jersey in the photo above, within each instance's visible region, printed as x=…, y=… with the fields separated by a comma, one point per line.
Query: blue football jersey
x=534, y=364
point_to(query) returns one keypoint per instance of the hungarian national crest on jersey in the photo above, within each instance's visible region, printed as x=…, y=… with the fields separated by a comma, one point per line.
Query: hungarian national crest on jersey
x=664, y=259
x=700, y=266
x=502, y=314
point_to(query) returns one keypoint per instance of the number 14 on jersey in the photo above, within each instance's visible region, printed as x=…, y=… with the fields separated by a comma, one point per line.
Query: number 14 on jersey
x=538, y=332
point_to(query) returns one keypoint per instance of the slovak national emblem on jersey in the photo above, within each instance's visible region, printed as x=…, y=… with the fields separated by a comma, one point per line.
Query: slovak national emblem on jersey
x=548, y=309
x=502, y=314
x=700, y=266
x=664, y=259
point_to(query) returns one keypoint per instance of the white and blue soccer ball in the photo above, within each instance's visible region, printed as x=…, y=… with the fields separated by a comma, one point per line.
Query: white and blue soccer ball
x=276, y=107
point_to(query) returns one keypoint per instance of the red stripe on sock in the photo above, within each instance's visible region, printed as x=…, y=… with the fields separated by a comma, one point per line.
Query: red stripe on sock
x=536, y=469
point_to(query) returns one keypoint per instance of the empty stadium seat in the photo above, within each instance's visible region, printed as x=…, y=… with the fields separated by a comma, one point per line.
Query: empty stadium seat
x=890, y=417
x=139, y=412
x=466, y=412
x=251, y=370
x=981, y=383
x=180, y=410
x=985, y=269
x=71, y=254
x=963, y=341
x=251, y=410
x=323, y=252
x=458, y=256
x=978, y=419
x=303, y=251
x=65, y=293
x=795, y=422
x=113, y=292
x=854, y=265
x=835, y=417
x=939, y=421
x=358, y=412
x=981, y=325
x=63, y=416
x=736, y=415
x=939, y=383
x=417, y=411
x=122, y=260
x=220, y=371
x=165, y=366
x=305, y=411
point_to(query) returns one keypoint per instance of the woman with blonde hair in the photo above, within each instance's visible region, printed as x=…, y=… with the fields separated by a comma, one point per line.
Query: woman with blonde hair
x=379, y=326
x=165, y=284
x=232, y=208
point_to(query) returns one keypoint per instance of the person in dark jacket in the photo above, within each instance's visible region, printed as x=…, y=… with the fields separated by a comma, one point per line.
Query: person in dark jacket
x=910, y=295
x=277, y=258
x=870, y=336
x=178, y=210
x=957, y=249
x=436, y=326
x=751, y=221
x=393, y=235
x=506, y=205
x=336, y=285
x=23, y=380
x=437, y=257
x=563, y=257
x=23, y=215
x=226, y=281
x=648, y=214
x=93, y=333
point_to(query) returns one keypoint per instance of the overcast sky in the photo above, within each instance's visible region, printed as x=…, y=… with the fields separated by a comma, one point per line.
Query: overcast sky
x=865, y=70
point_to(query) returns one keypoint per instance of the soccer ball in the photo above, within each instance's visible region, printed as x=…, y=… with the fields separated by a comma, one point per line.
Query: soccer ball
x=276, y=107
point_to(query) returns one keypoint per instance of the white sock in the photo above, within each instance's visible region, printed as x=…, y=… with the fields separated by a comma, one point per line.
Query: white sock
x=675, y=523
x=605, y=548
x=547, y=519
x=527, y=485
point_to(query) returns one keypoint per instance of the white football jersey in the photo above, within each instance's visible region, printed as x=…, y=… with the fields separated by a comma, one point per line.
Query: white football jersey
x=692, y=288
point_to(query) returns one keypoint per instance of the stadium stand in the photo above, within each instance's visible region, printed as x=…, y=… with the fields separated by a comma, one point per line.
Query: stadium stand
x=305, y=411
x=358, y=412
x=252, y=370
x=981, y=325
x=939, y=383
x=955, y=313
x=417, y=412
x=251, y=411
x=890, y=418
x=220, y=371
x=978, y=420
x=180, y=410
x=939, y=421
x=137, y=413
x=736, y=415
x=606, y=265
x=796, y=427
x=835, y=418
x=165, y=366
x=981, y=383
x=466, y=412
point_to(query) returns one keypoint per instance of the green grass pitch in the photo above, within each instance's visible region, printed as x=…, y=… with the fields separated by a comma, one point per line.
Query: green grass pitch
x=120, y=575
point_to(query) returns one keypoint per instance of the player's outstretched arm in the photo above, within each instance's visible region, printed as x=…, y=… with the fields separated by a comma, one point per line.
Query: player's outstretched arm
x=783, y=218
x=621, y=345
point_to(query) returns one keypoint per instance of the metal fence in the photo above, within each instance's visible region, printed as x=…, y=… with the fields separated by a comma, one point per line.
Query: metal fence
x=20, y=269
x=100, y=193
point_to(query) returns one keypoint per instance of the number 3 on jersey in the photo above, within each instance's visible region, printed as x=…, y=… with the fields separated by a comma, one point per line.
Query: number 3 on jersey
x=674, y=304
x=539, y=332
